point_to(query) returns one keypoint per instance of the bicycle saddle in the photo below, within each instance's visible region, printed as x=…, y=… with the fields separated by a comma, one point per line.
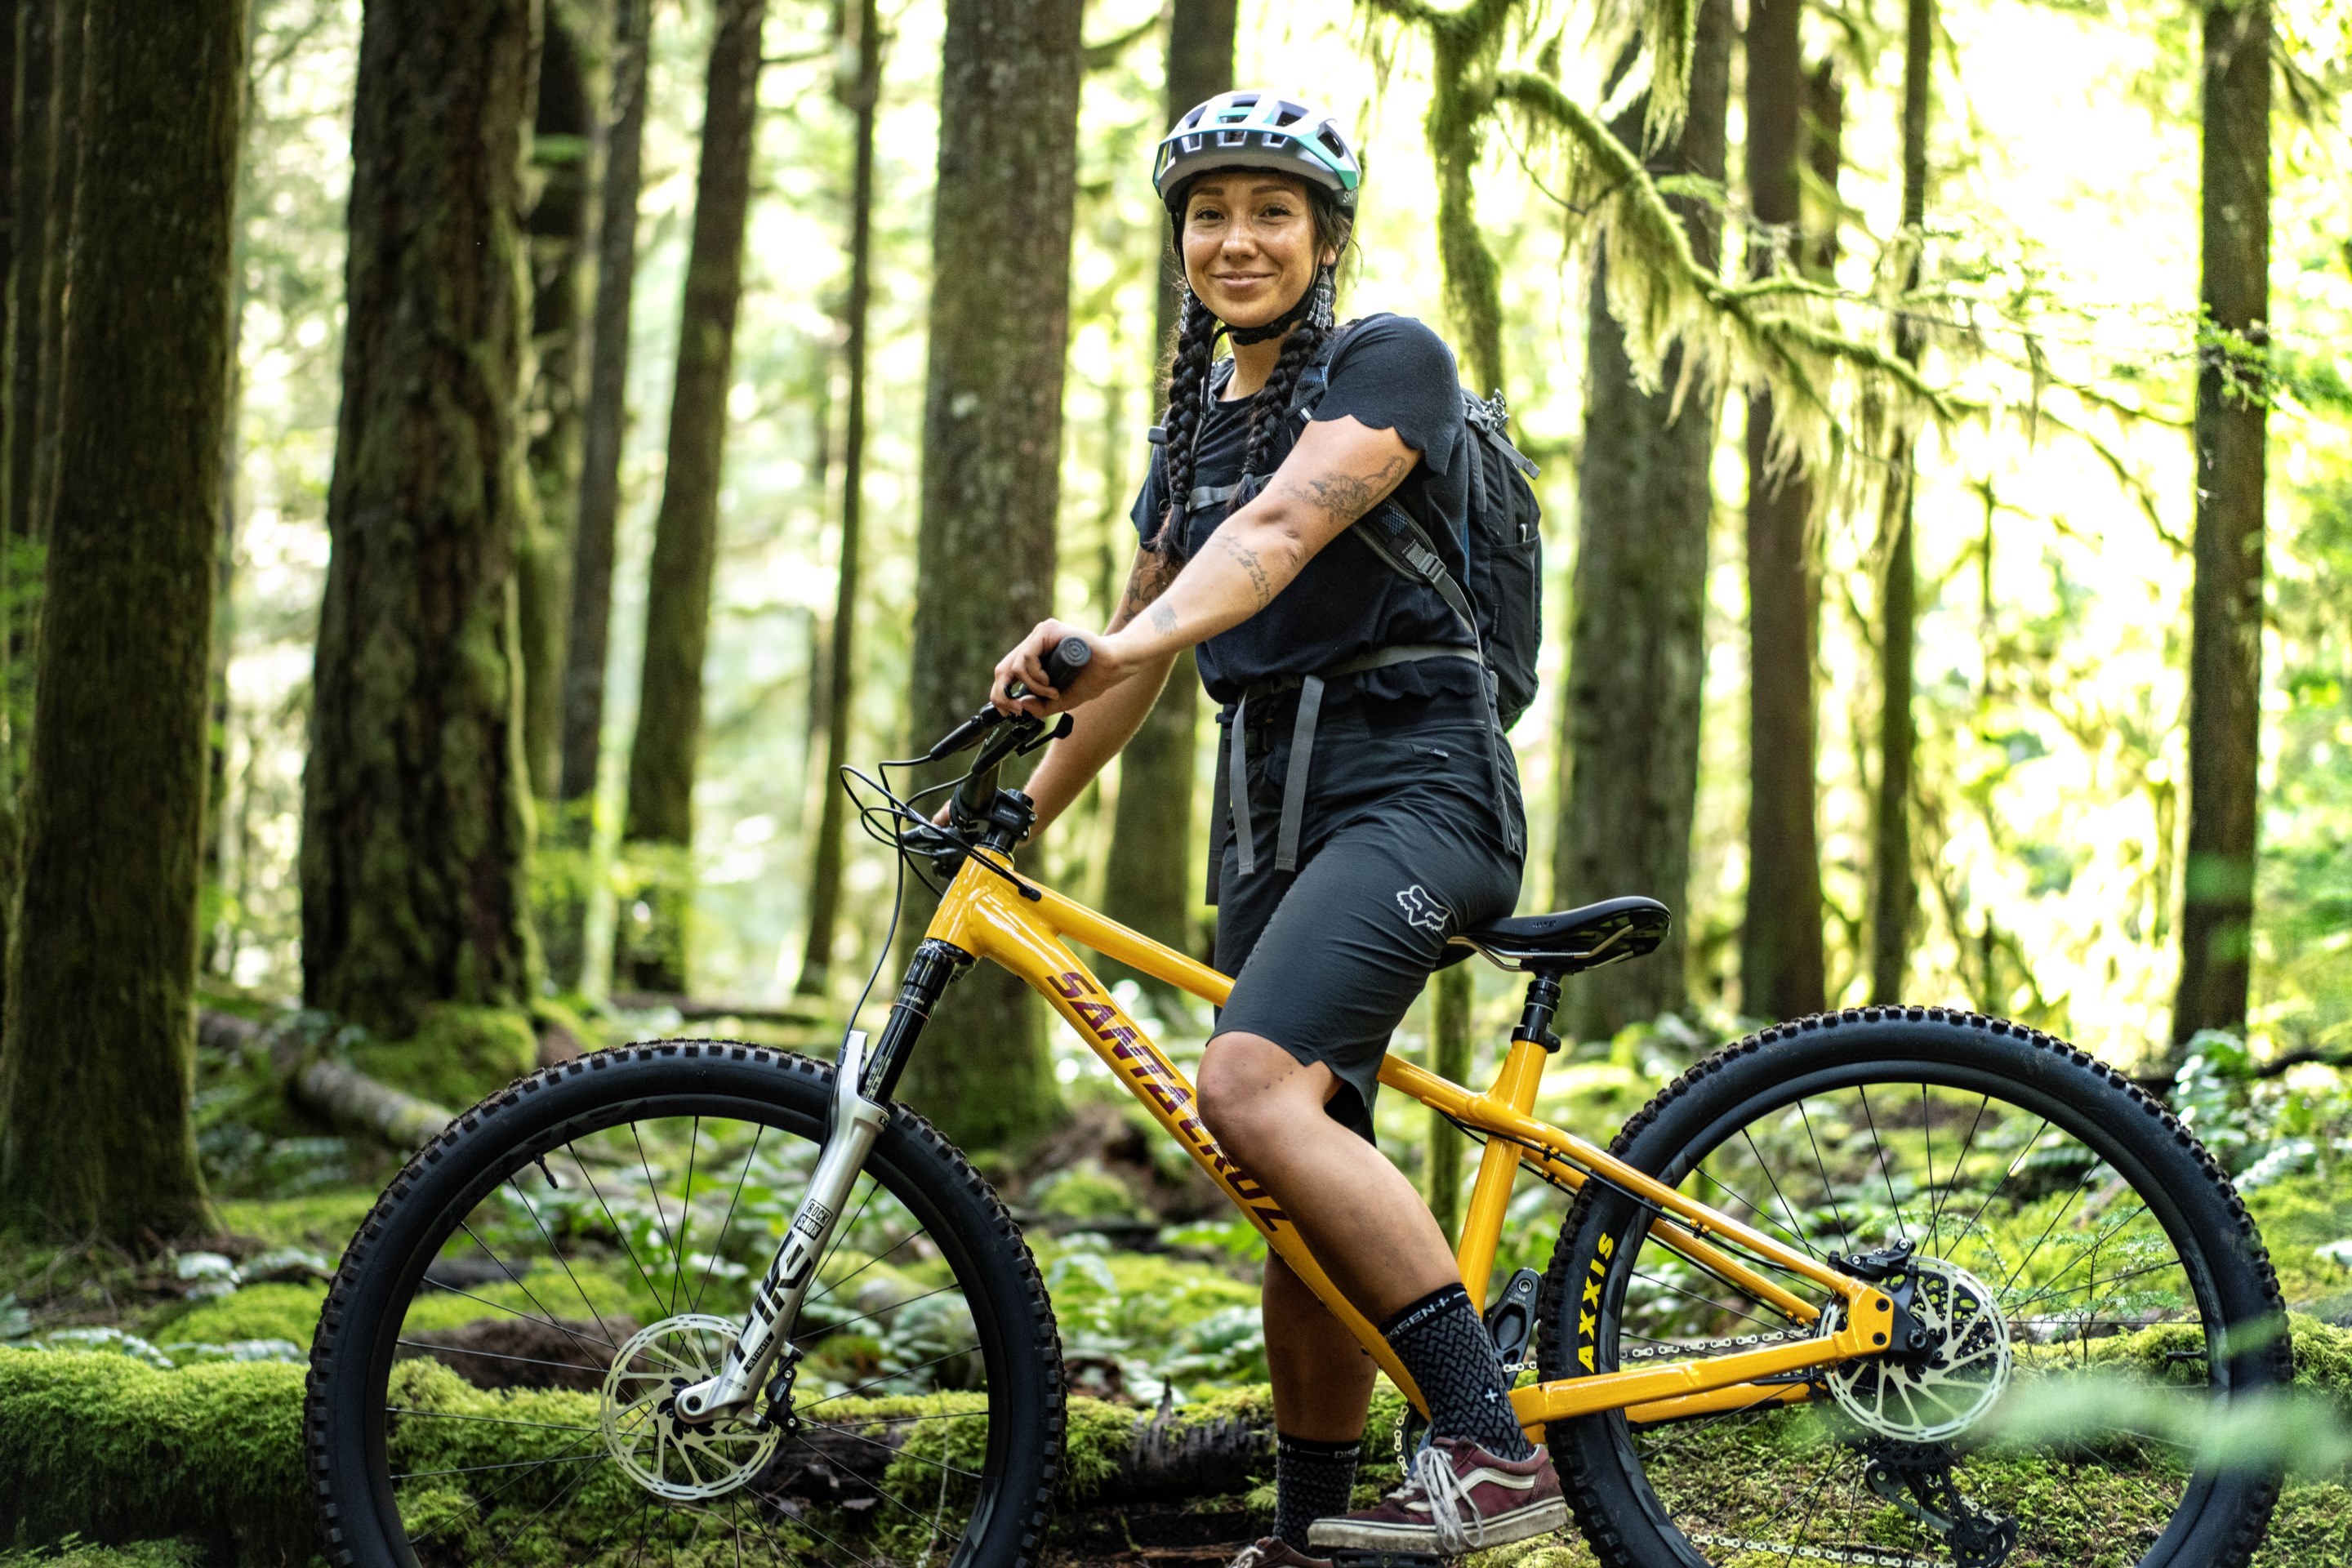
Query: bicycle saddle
x=1573, y=939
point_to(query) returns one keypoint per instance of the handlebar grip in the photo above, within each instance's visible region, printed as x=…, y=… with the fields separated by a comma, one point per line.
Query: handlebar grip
x=1064, y=661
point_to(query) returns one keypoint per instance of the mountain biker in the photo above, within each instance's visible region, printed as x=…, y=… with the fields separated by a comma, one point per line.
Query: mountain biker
x=1372, y=808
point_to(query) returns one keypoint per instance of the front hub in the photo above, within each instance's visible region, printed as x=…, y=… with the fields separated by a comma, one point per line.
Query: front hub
x=669, y=1455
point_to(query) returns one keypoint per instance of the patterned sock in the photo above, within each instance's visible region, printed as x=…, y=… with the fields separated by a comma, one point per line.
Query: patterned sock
x=1311, y=1481
x=1445, y=1346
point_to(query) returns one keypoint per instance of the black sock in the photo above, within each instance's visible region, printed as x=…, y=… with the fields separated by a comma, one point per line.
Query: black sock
x=1311, y=1481
x=1445, y=1348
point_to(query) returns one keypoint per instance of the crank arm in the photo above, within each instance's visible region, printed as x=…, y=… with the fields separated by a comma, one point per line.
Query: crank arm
x=776, y=1304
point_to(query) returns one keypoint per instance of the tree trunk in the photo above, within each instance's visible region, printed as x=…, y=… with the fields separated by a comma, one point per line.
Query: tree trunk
x=559, y=247
x=1893, y=889
x=659, y=826
x=415, y=822
x=2226, y=616
x=1001, y=222
x=1456, y=131
x=35, y=50
x=863, y=96
x=100, y=1027
x=1637, y=637
x=1150, y=881
x=603, y=429
x=64, y=162
x=1780, y=961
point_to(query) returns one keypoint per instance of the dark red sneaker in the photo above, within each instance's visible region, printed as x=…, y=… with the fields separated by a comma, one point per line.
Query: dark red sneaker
x=1457, y=1498
x=1273, y=1552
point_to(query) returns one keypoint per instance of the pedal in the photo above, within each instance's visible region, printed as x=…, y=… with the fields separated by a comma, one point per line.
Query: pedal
x=1344, y=1558
x=1511, y=1316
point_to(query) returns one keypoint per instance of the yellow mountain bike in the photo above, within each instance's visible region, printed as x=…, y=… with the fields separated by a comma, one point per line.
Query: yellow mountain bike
x=1891, y=1286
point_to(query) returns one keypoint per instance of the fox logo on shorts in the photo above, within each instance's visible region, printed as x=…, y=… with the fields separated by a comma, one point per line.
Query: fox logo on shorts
x=1421, y=910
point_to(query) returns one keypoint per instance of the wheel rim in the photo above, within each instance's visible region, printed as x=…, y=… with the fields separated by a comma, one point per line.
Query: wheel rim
x=504, y=1370
x=2090, y=1260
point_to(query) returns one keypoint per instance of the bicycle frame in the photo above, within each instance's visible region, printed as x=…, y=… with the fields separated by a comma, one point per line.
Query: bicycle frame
x=991, y=912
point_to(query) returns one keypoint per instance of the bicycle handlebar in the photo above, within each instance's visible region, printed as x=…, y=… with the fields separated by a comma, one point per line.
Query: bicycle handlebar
x=974, y=794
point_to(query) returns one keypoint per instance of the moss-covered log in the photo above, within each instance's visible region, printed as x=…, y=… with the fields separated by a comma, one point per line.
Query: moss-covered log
x=98, y=1059
x=658, y=826
x=416, y=820
x=1000, y=223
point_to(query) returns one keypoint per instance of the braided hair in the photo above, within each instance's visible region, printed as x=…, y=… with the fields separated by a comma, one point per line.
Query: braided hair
x=1197, y=331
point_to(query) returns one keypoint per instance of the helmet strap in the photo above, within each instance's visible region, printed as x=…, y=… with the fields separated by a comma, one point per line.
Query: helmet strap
x=1284, y=323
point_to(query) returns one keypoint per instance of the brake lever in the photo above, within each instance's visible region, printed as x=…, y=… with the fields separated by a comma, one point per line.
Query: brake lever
x=1042, y=737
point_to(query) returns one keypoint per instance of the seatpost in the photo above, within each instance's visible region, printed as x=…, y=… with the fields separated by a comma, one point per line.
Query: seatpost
x=1535, y=1021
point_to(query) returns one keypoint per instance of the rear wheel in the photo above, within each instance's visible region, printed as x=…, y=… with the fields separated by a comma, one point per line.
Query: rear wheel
x=492, y=1376
x=2093, y=1297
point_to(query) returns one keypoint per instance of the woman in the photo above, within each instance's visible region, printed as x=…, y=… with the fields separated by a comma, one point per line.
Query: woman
x=1374, y=806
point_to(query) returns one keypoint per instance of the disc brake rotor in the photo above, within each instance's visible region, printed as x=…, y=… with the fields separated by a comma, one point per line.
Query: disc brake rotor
x=681, y=1460
x=1947, y=1380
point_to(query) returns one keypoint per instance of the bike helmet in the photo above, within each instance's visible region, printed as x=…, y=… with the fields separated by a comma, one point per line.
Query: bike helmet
x=1253, y=129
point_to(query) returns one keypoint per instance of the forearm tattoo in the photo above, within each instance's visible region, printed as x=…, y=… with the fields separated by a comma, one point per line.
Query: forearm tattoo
x=1345, y=496
x=1260, y=583
x=1146, y=582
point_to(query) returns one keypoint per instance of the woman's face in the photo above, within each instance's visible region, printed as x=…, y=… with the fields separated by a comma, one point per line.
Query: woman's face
x=1249, y=244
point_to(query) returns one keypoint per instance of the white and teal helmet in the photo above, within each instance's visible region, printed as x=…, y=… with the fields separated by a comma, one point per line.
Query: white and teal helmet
x=1253, y=129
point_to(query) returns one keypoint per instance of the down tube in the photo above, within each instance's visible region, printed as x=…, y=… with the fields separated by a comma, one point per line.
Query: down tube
x=1054, y=973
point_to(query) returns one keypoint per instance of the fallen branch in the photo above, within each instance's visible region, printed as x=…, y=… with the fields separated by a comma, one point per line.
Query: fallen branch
x=334, y=1091
x=698, y=1009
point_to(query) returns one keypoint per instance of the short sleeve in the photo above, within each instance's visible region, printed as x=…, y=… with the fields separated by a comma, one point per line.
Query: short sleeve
x=1150, y=501
x=1391, y=372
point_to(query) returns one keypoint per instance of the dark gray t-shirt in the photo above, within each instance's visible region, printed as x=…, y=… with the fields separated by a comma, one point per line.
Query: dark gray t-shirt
x=1391, y=373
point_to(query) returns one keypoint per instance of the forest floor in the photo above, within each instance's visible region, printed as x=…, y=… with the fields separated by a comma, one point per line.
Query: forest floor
x=1154, y=1294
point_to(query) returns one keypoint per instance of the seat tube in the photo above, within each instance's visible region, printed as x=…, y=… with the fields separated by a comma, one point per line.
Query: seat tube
x=1482, y=1226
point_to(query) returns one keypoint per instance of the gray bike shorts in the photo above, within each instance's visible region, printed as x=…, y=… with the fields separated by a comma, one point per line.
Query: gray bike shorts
x=1403, y=845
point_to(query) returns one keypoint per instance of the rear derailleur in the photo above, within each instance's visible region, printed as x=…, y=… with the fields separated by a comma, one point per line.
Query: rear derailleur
x=1918, y=1478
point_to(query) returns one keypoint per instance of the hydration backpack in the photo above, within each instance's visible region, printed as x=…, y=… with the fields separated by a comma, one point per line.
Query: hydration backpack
x=1502, y=604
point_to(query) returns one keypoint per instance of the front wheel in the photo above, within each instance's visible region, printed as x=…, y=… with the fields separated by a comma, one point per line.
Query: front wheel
x=2093, y=1298
x=493, y=1374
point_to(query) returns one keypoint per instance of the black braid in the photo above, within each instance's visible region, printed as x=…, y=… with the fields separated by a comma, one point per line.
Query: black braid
x=1187, y=403
x=1272, y=403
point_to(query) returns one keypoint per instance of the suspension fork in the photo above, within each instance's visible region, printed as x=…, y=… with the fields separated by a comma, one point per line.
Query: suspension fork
x=861, y=1106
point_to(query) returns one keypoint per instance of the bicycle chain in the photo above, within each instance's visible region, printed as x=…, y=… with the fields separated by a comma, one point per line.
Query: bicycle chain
x=1869, y=1556
x=1689, y=1349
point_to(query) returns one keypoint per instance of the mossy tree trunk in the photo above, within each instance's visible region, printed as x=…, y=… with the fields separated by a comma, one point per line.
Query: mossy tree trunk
x=658, y=830
x=98, y=1062
x=2226, y=606
x=1637, y=631
x=417, y=819
x=1151, y=881
x=558, y=230
x=1894, y=895
x=603, y=430
x=861, y=93
x=1001, y=224
x=1780, y=957
x=65, y=160
x=35, y=50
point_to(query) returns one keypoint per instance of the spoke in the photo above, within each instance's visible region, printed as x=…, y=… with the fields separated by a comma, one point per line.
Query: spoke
x=1902, y=1226
x=1704, y=1300
x=1960, y=1163
x=2111, y=1280
x=893, y=1307
x=2014, y=1166
x=653, y=1196
x=685, y=1216
x=1795, y=1228
x=515, y=1313
x=577, y=1288
x=2071, y=1195
x=897, y=1451
x=891, y=1376
x=570, y=1458
x=493, y=1420
x=618, y=1228
x=1806, y=1117
x=497, y=1355
x=719, y=1247
x=1927, y=1132
x=521, y=1530
x=870, y=1486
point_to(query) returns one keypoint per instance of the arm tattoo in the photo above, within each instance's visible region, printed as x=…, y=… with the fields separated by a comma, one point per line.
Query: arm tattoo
x=1347, y=497
x=1163, y=620
x=1146, y=582
x=1259, y=582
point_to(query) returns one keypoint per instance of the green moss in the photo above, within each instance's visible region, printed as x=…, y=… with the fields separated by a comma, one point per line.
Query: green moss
x=117, y=1451
x=457, y=1055
x=1085, y=1191
x=324, y=1221
x=2298, y=1214
x=281, y=1311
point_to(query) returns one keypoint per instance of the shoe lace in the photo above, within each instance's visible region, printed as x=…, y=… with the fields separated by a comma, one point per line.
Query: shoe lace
x=1250, y=1556
x=1431, y=1477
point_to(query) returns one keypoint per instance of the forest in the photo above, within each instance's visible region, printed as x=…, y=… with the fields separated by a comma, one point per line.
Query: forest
x=475, y=474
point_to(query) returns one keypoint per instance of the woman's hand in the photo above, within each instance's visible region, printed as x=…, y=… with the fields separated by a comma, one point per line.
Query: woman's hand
x=1026, y=664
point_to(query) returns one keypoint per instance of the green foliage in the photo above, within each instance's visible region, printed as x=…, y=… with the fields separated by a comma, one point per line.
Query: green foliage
x=75, y=1552
x=1085, y=1191
x=457, y=1055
